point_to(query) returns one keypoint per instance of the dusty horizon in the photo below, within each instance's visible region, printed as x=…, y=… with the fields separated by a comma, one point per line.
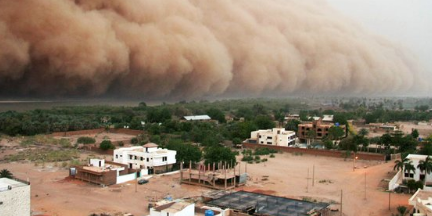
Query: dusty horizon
x=194, y=49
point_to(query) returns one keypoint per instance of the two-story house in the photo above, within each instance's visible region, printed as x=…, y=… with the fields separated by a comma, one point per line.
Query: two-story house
x=148, y=158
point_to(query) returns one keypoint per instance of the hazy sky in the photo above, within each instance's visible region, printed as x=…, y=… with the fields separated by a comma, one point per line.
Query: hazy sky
x=408, y=22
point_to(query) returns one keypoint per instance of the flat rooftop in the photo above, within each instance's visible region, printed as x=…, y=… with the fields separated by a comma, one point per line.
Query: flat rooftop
x=106, y=168
x=266, y=204
x=173, y=207
x=5, y=183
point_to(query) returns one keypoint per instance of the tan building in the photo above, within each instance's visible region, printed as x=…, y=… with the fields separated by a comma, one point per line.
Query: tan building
x=320, y=127
x=101, y=172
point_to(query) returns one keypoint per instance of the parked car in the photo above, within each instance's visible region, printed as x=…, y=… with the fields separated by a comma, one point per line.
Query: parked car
x=143, y=181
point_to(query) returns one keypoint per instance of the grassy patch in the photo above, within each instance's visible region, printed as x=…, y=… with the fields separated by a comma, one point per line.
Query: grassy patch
x=44, y=155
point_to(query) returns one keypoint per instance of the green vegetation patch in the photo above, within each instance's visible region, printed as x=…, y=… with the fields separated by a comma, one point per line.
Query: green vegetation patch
x=86, y=140
x=45, y=155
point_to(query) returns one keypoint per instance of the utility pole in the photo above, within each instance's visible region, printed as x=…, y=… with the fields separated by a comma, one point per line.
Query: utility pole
x=365, y=187
x=389, y=199
x=136, y=182
x=341, y=203
x=313, y=175
x=307, y=182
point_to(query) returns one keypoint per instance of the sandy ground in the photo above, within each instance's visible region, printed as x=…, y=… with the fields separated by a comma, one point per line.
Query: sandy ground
x=288, y=176
x=52, y=194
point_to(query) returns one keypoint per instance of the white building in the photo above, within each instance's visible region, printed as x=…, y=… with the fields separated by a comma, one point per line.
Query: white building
x=197, y=118
x=148, y=158
x=182, y=208
x=422, y=203
x=418, y=175
x=327, y=118
x=275, y=136
x=14, y=198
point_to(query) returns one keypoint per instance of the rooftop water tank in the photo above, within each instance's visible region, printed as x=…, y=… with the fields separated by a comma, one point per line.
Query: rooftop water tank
x=209, y=212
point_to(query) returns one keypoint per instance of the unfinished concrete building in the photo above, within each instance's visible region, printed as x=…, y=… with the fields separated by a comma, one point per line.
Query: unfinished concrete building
x=216, y=176
x=261, y=204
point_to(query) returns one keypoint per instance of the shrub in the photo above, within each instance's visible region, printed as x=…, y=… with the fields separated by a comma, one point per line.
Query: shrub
x=86, y=140
x=134, y=141
x=272, y=156
x=265, y=151
x=247, y=158
x=121, y=143
x=106, y=144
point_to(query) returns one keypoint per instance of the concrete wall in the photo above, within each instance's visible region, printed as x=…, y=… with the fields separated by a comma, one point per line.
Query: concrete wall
x=187, y=211
x=328, y=153
x=15, y=201
x=393, y=184
x=126, y=178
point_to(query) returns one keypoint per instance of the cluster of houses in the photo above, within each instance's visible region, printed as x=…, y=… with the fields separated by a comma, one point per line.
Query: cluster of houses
x=282, y=137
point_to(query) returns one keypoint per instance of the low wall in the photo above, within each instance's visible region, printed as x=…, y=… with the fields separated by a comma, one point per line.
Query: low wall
x=393, y=184
x=126, y=178
x=99, y=130
x=319, y=152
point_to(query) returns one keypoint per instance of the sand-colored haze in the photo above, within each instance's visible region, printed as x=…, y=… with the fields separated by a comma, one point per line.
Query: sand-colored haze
x=169, y=48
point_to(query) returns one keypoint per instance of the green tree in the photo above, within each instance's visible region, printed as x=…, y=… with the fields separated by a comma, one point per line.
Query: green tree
x=185, y=152
x=259, y=109
x=311, y=134
x=427, y=149
x=409, y=167
x=264, y=122
x=386, y=140
x=292, y=125
x=415, y=134
x=335, y=133
x=4, y=173
x=399, y=164
x=216, y=154
x=402, y=210
x=363, y=132
x=106, y=144
x=216, y=114
x=425, y=167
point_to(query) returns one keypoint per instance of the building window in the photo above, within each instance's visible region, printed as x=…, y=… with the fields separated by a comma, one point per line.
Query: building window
x=147, y=159
x=262, y=142
x=269, y=137
x=136, y=157
x=269, y=143
x=130, y=157
x=259, y=136
x=164, y=158
x=116, y=156
x=409, y=175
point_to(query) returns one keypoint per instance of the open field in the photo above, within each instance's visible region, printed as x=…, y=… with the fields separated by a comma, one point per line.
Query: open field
x=285, y=175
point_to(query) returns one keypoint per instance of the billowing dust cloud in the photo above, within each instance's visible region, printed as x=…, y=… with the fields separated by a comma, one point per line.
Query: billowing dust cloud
x=193, y=48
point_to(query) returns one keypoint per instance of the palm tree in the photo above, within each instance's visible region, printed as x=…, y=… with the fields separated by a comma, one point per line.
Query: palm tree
x=4, y=173
x=399, y=164
x=402, y=211
x=425, y=166
x=408, y=168
x=310, y=135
